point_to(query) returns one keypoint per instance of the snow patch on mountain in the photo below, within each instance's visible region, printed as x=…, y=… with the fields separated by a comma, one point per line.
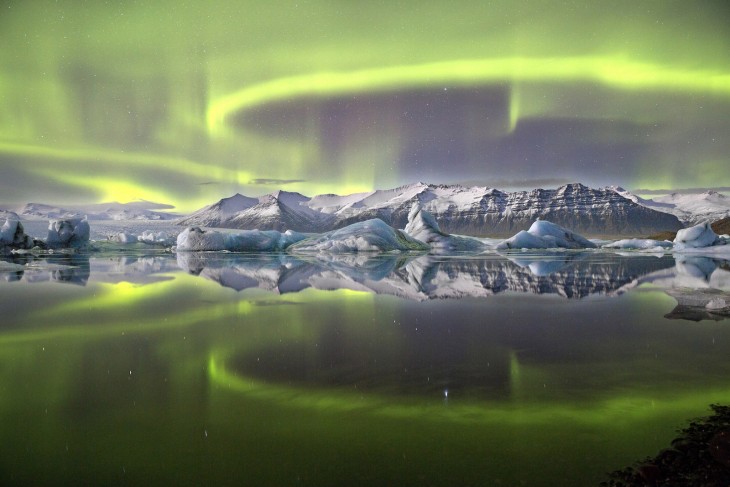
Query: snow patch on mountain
x=690, y=208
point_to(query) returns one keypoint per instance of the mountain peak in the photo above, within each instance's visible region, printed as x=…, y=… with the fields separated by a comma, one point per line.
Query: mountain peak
x=573, y=187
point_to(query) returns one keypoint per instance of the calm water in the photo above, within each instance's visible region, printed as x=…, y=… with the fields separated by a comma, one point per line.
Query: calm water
x=214, y=369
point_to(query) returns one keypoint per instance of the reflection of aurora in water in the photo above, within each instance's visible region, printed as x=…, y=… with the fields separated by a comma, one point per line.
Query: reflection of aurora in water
x=157, y=359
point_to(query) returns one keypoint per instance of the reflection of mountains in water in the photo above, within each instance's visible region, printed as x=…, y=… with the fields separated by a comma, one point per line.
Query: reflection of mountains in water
x=571, y=275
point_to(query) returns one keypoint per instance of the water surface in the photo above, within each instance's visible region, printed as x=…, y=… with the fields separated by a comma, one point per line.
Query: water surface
x=200, y=369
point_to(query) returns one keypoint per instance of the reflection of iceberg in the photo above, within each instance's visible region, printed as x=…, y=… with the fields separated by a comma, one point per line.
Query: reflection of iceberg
x=426, y=277
x=78, y=268
x=701, y=286
x=700, y=304
x=73, y=269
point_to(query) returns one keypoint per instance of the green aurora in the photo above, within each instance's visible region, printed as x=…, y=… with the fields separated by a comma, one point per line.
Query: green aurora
x=184, y=103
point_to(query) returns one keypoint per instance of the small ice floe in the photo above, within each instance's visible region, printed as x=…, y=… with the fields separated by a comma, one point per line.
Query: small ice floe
x=643, y=244
x=546, y=235
x=147, y=237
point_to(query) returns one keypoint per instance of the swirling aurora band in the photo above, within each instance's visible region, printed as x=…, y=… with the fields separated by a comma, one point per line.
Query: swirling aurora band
x=616, y=73
x=189, y=104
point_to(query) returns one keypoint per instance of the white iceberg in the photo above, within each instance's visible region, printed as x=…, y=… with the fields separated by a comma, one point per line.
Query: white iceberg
x=196, y=239
x=156, y=238
x=72, y=232
x=546, y=235
x=639, y=244
x=423, y=226
x=698, y=236
x=147, y=237
x=124, y=238
x=12, y=234
x=369, y=236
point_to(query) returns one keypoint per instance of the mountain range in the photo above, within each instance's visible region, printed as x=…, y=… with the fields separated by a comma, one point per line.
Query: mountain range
x=690, y=208
x=136, y=210
x=457, y=209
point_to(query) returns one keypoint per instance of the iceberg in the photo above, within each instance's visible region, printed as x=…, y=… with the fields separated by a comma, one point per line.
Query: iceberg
x=147, y=237
x=68, y=233
x=423, y=226
x=369, y=236
x=12, y=234
x=196, y=239
x=639, y=244
x=546, y=235
x=698, y=236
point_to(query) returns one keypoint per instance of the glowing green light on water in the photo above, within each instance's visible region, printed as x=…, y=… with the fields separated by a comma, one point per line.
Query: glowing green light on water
x=615, y=72
x=616, y=411
x=117, y=295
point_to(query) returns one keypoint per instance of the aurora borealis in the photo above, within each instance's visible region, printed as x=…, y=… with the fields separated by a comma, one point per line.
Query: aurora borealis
x=185, y=103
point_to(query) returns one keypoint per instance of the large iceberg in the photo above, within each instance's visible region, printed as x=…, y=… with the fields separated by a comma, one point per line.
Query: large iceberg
x=546, y=235
x=12, y=234
x=423, y=226
x=71, y=232
x=369, y=236
x=698, y=236
x=196, y=239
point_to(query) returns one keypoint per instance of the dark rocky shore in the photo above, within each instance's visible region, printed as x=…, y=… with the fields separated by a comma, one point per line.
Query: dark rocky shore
x=700, y=457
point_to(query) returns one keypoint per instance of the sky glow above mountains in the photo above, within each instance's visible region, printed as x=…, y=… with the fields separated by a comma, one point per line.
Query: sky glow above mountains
x=185, y=103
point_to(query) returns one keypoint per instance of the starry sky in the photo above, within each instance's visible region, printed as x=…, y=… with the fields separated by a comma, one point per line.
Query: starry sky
x=187, y=102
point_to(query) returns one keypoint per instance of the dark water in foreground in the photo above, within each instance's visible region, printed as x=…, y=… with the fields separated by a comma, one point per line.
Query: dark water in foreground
x=272, y=370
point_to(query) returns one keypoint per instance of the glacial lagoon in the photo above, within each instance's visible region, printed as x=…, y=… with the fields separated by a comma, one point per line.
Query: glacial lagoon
x=145, y=367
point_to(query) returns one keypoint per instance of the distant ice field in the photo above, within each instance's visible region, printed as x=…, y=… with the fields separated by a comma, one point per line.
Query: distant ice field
x=103, y=229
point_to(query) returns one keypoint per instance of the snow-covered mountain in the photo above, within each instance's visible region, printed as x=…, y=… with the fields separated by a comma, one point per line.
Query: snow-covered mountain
x=138, y=210
x=280, y=211
x=690, y=208
x=457, y=209
x=218, y=214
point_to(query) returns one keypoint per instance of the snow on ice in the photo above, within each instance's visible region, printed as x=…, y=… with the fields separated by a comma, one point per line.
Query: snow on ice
x=195, y=239
x=72, y=232
x=369, y=236
x=546, y=235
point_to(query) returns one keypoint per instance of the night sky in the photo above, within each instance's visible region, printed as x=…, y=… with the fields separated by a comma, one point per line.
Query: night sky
x=187, y=102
